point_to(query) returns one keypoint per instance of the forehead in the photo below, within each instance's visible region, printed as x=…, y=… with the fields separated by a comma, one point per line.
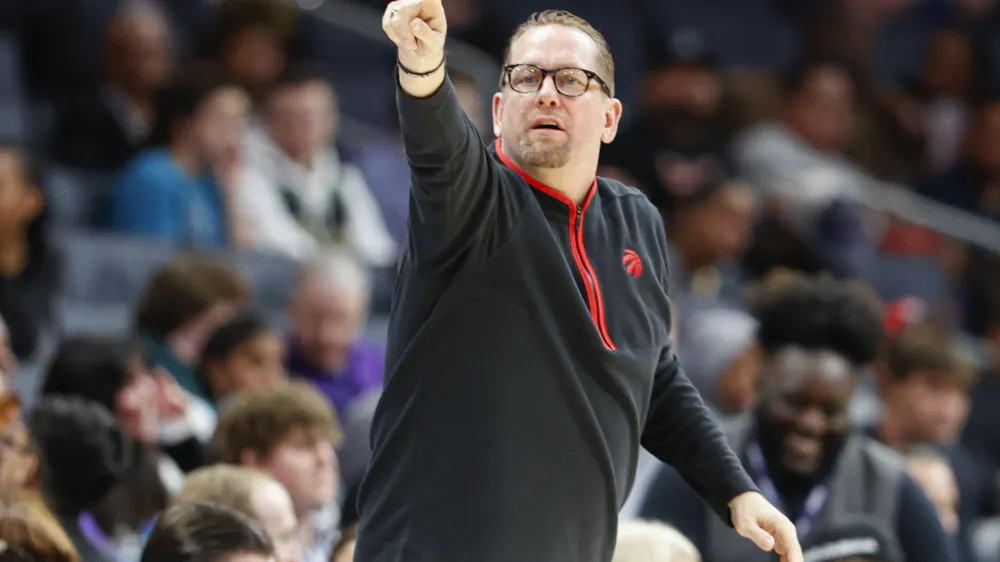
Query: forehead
x=795, y=369
x=554, y=46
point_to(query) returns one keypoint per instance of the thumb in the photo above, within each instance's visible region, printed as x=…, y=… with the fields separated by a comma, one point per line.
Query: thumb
x=759, y=536
x=428, y=38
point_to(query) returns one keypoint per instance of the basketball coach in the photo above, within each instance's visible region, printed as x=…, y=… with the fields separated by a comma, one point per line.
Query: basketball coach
x=528, y=356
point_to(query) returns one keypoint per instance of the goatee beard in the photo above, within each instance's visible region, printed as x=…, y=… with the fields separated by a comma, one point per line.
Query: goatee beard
x=543, y=155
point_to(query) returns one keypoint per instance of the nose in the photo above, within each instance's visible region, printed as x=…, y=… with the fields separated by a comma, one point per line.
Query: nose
x=811, y=422
x=547, y=95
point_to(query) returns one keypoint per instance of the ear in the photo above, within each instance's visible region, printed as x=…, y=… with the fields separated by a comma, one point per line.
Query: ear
x=612, y=117
x=497, y=111
x=34, y=202
x=250, y=459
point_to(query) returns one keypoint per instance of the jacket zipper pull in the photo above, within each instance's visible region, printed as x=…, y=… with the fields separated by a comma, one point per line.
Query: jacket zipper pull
x=579, y=215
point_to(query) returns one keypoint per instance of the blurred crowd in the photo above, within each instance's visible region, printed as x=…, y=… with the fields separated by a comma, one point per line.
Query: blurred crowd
x=202, y=203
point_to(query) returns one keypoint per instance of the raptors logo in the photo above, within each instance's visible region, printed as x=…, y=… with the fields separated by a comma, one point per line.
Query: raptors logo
x=632, y=263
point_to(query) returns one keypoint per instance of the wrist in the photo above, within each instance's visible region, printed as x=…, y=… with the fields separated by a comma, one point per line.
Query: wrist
x=419, y=67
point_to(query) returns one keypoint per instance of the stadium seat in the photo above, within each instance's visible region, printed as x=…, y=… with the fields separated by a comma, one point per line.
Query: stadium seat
x=108, y=268
x=76, y=198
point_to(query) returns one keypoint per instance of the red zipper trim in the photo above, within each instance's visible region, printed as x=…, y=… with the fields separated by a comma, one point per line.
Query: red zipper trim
x=591, y=277
x=595, y=301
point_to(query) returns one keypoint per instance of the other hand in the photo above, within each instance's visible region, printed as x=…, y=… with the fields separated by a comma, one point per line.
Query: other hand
x=756, y=519
x=418, y=28
x=172, y=401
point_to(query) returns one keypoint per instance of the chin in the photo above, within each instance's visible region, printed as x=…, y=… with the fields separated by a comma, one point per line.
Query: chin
x=801, y=466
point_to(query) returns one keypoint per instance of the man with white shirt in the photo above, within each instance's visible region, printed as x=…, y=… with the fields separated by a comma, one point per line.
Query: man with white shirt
x=297, y=191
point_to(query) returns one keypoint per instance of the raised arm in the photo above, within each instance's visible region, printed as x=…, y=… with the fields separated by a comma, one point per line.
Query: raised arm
x=455, y=185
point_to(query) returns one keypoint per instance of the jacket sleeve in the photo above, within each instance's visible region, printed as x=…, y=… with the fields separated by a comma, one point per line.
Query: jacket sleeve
x=455, y=185
x=681, y=431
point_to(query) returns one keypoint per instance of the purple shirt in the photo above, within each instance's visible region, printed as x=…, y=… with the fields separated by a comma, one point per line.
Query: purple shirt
x=365, y=362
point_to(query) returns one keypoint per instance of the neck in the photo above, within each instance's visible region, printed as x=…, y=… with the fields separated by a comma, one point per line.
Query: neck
x=13, y=253
x=890, y=432
x=572, y=180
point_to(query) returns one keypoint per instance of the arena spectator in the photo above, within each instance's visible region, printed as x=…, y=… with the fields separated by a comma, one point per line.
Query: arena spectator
x=799, y=161
x=250, y=41
x=150, y=406
x=328, y=311
x=253, y=493
x=29, y=266
x=181, y=306
x=184, y=188
x=243, y=352
x=203, y=532
x=798, y=443
x=648, y=541
x=290, y=433
x=678, y=132
x=298, y=191
x=102, y=488
x=30, y=532
x=925, y=380
x=103, y=130
x=969, y=184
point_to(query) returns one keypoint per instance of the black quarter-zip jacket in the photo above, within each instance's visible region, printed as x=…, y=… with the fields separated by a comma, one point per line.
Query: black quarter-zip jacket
x=528, y=360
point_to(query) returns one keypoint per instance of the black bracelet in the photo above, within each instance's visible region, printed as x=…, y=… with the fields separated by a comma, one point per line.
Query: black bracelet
x=409, y=72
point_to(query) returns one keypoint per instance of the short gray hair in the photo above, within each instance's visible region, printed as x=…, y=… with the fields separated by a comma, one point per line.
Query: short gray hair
x=339, y=268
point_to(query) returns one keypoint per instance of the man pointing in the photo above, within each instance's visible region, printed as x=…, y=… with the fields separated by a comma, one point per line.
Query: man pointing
x=528, y=353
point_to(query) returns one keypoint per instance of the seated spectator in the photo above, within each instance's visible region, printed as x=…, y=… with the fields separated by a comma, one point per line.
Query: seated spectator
x=203, y=532
x=647, y=541
x=925, y=382
x=184, y=188
x=289, y=433
x=297, y=190
x=102, y=488
x=719, y=353
x=709, y=227
x=29, y=531
x=678, y=132
x=253, y=493
x=243, y=352
x=969, y=184
x=328, y=311
x=179, y=309
x=343, y=551
x=150, y=406
x=797, y=444
x=250, y=41
x=799, y=162
x=29, y=266
x=861, y=540
x=102, y=130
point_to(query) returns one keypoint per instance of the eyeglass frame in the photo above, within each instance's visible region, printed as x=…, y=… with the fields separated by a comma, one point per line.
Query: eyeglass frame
x=546, y=72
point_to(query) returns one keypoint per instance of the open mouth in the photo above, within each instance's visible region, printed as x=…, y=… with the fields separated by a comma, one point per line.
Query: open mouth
x=547, y=125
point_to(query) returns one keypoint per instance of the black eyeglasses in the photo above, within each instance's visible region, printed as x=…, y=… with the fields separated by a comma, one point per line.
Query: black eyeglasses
x=570, y=82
